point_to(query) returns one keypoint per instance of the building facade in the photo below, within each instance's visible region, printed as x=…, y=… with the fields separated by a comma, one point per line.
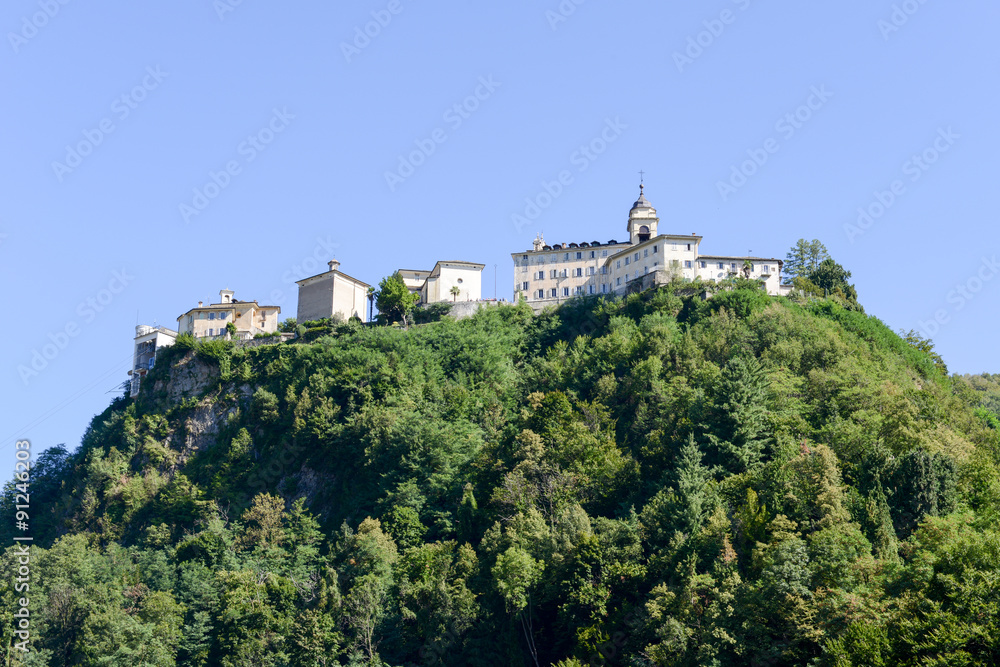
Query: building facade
x=148, y=340
x=332, y=293
x=450, y=281
x=548, y=275
x=211, y=321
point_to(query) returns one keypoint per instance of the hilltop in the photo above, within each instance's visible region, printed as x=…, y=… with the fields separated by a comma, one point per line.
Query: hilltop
x=651, y=480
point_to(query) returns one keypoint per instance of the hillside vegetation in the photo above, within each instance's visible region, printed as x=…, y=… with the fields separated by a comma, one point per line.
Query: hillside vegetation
x=655, y=480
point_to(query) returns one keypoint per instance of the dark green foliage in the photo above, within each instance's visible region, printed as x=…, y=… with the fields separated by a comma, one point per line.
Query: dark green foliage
x=431, y=313
x=660, y=479
x=804, y=257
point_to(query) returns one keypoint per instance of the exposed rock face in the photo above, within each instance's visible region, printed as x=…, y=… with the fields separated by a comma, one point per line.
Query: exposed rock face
x=189, y=378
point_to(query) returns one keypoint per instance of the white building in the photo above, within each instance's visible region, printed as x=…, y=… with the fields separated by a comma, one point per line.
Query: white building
x=547, y=275
x=450, y=281
x=148, y=340
x=211, y=321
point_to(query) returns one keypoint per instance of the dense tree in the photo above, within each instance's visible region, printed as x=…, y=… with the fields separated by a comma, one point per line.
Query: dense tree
x=394, y=300
x=803, y=258
x=657, y=479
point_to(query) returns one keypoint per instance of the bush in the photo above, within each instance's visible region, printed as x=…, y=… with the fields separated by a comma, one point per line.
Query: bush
x=431, y=313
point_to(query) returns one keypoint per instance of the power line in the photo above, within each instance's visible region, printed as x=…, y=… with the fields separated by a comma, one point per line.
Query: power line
x=46, y=415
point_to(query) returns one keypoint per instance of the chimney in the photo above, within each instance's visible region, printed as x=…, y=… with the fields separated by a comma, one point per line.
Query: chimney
x=334, y=264
x=200, y=304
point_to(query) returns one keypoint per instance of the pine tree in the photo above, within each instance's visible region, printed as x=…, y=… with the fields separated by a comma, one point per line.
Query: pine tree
x=741, y=397
x=803, y=258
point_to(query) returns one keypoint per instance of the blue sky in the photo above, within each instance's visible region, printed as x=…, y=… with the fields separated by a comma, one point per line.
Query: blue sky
x=155, y=154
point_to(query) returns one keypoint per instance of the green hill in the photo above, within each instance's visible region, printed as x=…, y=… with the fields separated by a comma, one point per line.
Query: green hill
x=657, y=480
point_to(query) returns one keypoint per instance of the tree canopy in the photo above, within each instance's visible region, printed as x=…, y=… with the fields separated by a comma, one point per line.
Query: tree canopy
x=650, y=480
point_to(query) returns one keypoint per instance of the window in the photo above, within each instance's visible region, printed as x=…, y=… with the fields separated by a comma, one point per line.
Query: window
x=733, y=265
x=591, y=271
x=579, y=290
x=211, y=316
x=703, y=265
x=604, y=288
x=604, y=270
x=553, y=273
x=645, y=253
x=689, y=247
x=687, y=265
x=674, y=247
x=566, y=257
x=524, y=287
x=555, y=258
x=553, y=293
x=579, y=255
x=618, y=281
x=540, y=294
x=565, y=291
x=645, y=270
x=604, y=253
x=211, y=332
x=579, y=273
x=637, y=257
x=524, y=257
x=540, y=275
x=628, y=260
x=564, y=273
x=590, y=289
x=618, y=264
x=656, y=249
x=722, y=265
x=593, y=254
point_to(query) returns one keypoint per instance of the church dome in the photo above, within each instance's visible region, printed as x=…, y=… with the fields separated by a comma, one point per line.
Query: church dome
x=641, y=202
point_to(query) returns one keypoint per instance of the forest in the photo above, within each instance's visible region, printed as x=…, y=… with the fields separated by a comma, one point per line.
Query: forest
x=658, y=479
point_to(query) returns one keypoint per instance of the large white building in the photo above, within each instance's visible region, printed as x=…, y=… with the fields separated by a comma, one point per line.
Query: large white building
x=547, y=275
x=450, y=281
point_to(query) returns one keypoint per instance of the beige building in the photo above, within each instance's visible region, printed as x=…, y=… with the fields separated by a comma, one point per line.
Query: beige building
x=249, y=318
x=547, y=275
x=148, y=340
x=436, y=285
x=327, y=294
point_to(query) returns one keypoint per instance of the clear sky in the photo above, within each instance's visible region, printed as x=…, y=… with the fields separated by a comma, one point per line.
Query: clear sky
x=154, y=154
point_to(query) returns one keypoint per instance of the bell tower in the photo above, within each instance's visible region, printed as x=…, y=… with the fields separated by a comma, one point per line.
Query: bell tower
x=642, y=220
